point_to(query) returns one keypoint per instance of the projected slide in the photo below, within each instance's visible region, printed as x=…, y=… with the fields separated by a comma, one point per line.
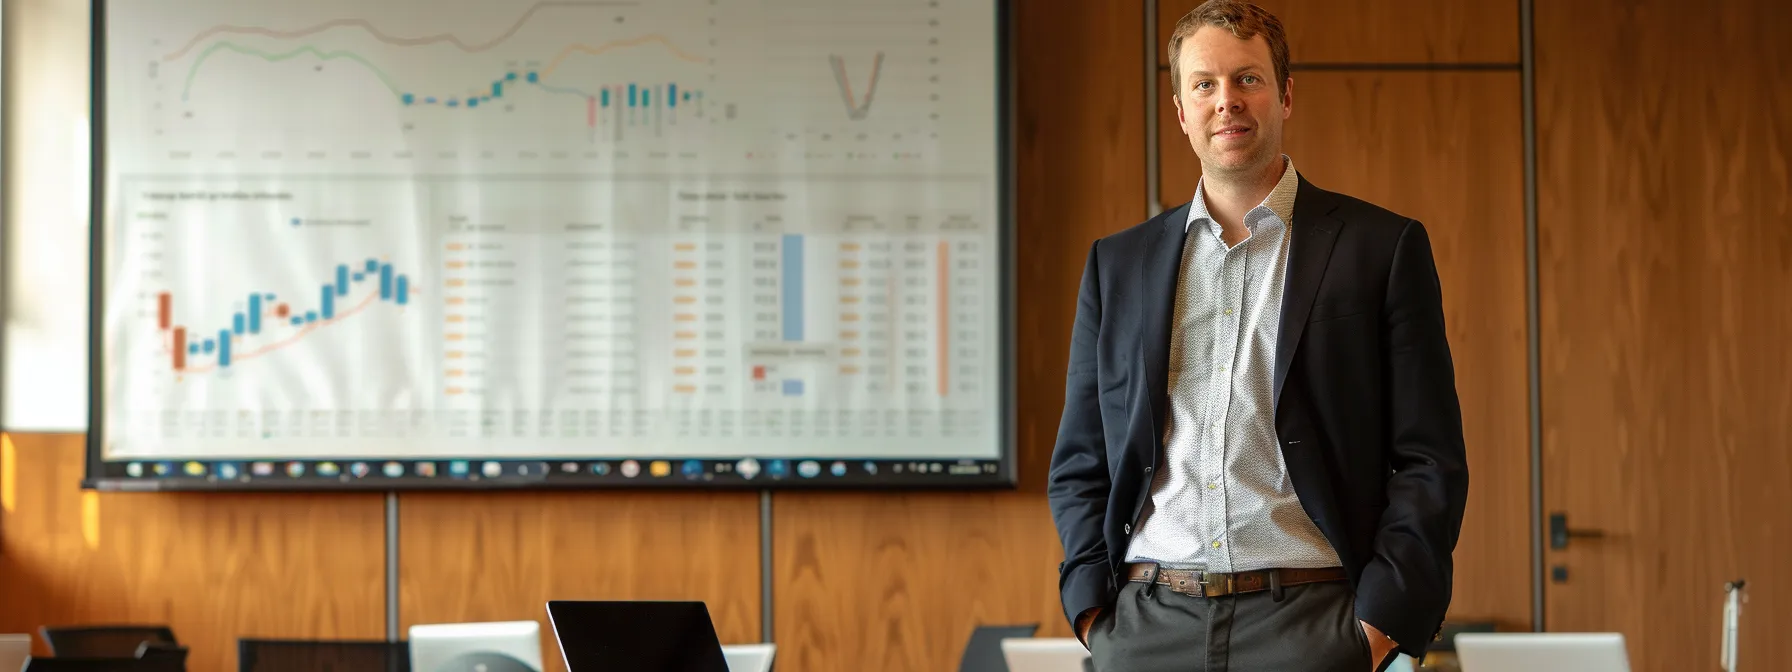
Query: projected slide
x=435, y=230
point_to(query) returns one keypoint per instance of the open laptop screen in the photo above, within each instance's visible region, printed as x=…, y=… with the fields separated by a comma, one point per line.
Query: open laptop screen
x=670, y=636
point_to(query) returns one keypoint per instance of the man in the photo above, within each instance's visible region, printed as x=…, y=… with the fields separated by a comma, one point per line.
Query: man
x=1260, y=464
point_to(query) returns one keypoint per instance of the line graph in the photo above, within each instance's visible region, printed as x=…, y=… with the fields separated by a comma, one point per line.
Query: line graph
x=384, y=36
x=856, y=109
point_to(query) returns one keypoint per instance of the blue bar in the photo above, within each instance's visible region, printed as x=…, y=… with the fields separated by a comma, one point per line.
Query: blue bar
x=373, y=265
x=534, y=78
x=671, y=95
x=255, y=314
x=329, y=304
x=223, y=348
x=192, y=348
x=342, y=279
x=646, y=95
x=605, y=95
x=210, y=345
x=454, y=102
x=403, y=291
x=631, y=95
x=431, y=100
x=238, y=323
x=310, y=316
x=296, y=320
x=793, y=287
x=472, y=102
x=511, y=76
x=687, y=95
x=498, y=88
x=359, y=276
x=793, y=387
x=385, y=282
x=408, y=98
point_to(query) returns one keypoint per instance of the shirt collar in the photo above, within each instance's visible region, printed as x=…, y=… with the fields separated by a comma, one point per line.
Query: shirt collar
x=1279, y=203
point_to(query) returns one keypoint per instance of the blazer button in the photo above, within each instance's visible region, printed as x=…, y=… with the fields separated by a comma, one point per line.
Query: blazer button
x=1148, y=471
x=1127, y=528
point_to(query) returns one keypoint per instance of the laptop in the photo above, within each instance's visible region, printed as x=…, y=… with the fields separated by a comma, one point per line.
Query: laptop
x=1541, y=652
x=749, y=657
x=507, y=646
x=14, y=649
x=670, y=636
x=1044, y=654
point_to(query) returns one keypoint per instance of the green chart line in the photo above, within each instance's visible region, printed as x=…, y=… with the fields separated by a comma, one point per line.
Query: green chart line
x=273, y=57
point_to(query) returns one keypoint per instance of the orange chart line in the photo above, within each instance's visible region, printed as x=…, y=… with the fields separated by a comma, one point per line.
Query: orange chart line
x=381, y=35
x=294, y=338
x=619, y=44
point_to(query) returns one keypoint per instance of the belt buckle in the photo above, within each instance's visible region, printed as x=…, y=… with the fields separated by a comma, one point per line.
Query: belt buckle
x=1208, y=582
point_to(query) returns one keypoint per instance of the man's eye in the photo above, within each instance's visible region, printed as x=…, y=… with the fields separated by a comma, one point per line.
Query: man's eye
x=1250, y=79
x=1203, y=86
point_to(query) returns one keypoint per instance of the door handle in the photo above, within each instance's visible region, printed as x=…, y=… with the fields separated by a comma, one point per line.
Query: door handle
x=1560, y=533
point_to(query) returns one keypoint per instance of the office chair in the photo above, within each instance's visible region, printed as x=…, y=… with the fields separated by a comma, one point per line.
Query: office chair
x=104, y=641
x=983, y=653
x=286, y=655
x=64, y=664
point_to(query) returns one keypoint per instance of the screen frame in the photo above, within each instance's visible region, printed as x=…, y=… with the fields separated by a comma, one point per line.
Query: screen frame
x=1005, y=476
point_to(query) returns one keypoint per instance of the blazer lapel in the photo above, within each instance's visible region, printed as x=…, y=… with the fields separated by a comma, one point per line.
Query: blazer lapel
x=1315, y=231
x=1157, y=301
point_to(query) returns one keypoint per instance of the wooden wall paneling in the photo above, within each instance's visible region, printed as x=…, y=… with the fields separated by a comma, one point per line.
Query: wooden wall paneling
x=1381, y=31
x=879, y=582
x=215, y=567
x=1445, y=148
x=468, y=557
x=1664, y=139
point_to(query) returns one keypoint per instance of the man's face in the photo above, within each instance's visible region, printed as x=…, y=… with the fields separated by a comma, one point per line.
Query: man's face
x=1228, y=102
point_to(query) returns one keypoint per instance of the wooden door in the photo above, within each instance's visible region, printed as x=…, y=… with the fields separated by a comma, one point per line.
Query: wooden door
x=1665, y=137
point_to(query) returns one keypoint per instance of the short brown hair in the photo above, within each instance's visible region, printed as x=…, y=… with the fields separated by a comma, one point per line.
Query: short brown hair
x=1245, y=21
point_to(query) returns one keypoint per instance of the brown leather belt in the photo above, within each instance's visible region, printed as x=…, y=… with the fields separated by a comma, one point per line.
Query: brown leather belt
x=1212, y=584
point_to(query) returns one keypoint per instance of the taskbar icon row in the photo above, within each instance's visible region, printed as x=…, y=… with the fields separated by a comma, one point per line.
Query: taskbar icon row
x=737, y=470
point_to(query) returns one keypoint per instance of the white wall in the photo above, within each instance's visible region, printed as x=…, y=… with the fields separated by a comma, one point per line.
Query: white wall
x=45, y=209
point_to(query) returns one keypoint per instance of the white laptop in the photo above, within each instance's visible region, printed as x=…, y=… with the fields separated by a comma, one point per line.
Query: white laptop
x=749, y=657
x=509, y=646
x=1541, y=652
x=14, y=649
x=1044, y=654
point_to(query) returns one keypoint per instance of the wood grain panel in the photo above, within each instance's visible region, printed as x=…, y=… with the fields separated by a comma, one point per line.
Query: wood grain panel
x=1666, y=270
x=1445, y=148
x=502, y=556
x=1380, y=31
x=216, y=567
x=879, y=582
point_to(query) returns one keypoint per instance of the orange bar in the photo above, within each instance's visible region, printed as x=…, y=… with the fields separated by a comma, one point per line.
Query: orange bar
x=456, y=300
x=686, y=352
x=456, y=282
x=849, y=247
x=684, y=299
x=457, y=264
x=455, y=390
x=685, y=282
x=685, y=389
x=165, y=311
x=684, y=247
x=849, y=334
x=850, y=352
x=851, y=282
x=685, y=335
x=282, y=311
x=684, y=264
x=945, y=327
x=456, y=373
x=849, y=317
x=685, y=317
x=685, y=370
x=849, y=263
x=457, y=246
x=849, y=370
x=180, y=347
x=457, y=337
x=457, y=318
x=456, y=354
x=849, y=299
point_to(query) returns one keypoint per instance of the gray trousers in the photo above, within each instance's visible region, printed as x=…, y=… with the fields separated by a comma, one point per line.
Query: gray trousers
x=1313, y=629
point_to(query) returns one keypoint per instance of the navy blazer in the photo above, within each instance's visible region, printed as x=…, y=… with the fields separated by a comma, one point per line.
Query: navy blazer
x=1365, y=405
